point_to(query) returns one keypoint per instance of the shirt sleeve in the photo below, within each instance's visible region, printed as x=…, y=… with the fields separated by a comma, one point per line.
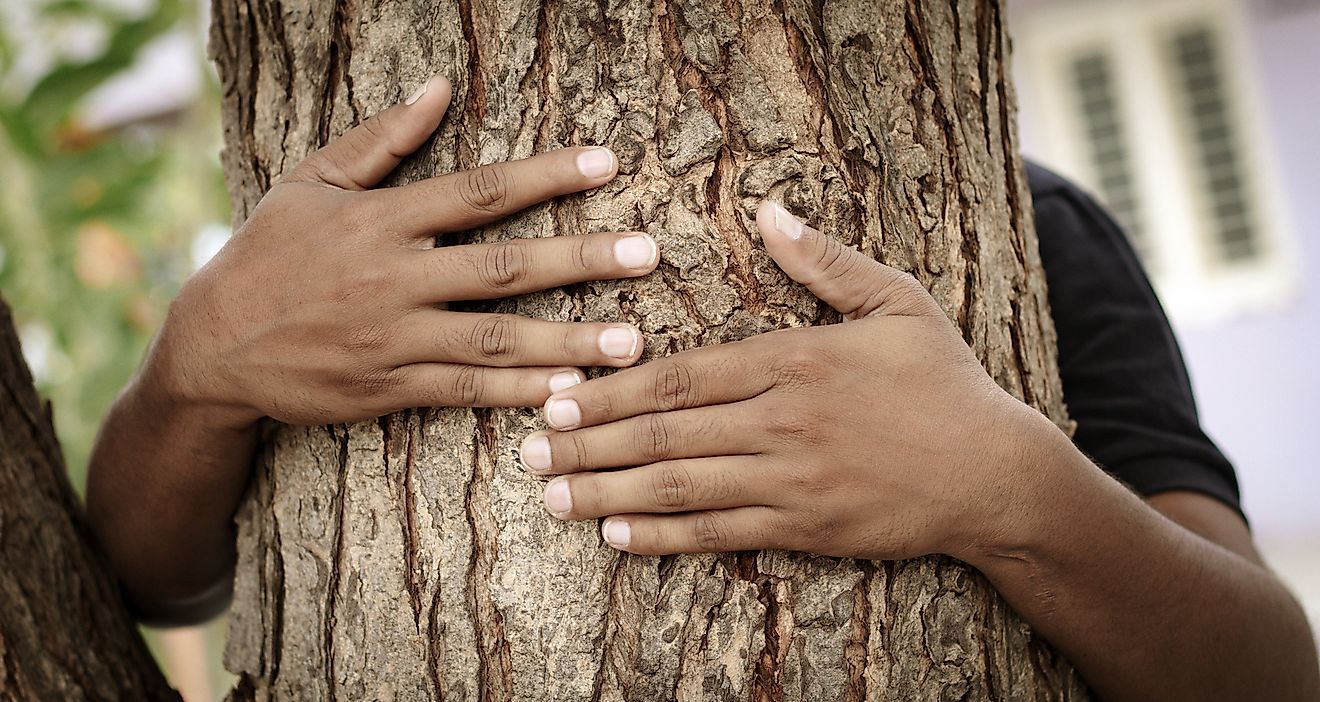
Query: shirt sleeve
x=1124, y=379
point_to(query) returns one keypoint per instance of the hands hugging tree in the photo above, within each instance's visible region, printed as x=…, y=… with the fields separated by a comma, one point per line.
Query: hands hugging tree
x=748, y=445
x=328, y=305
x=880, y=437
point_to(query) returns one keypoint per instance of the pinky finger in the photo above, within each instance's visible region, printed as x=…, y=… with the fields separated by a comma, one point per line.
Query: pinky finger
x=710, y=531
x=459, y=385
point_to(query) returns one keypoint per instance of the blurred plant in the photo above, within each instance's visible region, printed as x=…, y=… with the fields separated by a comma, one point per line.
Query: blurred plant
x=96, y=220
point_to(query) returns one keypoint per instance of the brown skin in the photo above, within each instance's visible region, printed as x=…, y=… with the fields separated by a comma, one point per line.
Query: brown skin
x=929, y=456
x=327, y=307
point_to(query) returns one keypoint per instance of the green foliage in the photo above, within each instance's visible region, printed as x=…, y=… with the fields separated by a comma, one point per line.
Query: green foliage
x=96, y=225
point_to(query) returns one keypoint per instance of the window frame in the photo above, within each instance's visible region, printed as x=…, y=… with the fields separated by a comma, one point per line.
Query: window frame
x=1197, y=286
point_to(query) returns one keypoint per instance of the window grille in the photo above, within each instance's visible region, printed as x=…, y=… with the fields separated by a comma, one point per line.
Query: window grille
x=1212, y=143
x=1107, y=149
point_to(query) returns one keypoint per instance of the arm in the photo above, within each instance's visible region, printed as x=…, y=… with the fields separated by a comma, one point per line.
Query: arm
x=743, y=446
x=1145, y=607
x=328, y=306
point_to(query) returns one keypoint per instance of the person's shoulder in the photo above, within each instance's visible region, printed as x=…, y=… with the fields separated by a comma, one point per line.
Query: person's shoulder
x=1066, y=215
x=1044, y=183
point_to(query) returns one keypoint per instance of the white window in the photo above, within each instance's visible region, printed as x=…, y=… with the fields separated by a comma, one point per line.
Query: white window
x=1148, y=104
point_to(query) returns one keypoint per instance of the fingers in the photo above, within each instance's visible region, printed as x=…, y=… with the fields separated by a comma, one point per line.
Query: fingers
x=707, y=531
x=520, y=266
x=707, y=376
x=460, y=201
x=846, y=279
x=368, y=152
x=705, y=431
x=671, y=486
x=456, y=385
x=505, y=340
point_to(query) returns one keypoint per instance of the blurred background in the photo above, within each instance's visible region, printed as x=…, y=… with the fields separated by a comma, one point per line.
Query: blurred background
x=1194, y=120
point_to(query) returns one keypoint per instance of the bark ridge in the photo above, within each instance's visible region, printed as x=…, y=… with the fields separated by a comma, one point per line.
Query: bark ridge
x=410, y=558
x=65, y=633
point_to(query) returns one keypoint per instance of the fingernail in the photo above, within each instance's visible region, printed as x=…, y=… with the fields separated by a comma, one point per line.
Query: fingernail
x=787, y=224
x=618, y=342
x=563, y=414
x=535, y=454
x=564, y=381
x=635, y=251
x=557, y=499
x=417, y=95
x=596, y=163
x=616, y=533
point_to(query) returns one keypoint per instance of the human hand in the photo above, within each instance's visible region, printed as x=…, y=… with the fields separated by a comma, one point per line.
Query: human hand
x=328, y=304
x=879, y=438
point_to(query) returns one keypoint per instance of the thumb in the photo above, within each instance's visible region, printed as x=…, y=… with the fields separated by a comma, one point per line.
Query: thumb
x=846, y=279
x=367, y=153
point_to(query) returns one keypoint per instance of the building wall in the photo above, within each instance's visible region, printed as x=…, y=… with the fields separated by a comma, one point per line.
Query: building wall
x=1257, y=373
x=1258, y=376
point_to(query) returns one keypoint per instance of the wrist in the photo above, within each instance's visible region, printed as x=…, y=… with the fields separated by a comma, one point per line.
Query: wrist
x=170, y=384
x=1035, y=472
x=165, y=395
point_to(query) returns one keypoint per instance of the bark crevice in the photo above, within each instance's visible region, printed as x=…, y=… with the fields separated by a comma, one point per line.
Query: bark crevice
x=888, y=126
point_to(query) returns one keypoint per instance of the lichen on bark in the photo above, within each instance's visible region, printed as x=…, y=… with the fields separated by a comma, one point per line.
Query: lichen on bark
x=410, y=558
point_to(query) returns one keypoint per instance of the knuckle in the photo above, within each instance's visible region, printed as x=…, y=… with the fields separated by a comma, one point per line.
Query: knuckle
x=587, y=254
x=671, y=487
x=486, y=189
x=365, y=339
x=306, y=170
x=359, y=282
x=674, y=387
x=343, y=216
x=798, y=365
x=578, y=454
x=319, y=167
x=651, y=437
x=801, y=479
x=794, y=426
x=366, y=382
x=494, y=337
x=336, y=164
x=588, y=494
x=600, y=404
x=503, y=266
x=832, y=257
x=709, y=531
x=361, y=212
x=568, y=341
x=819, y=524
x=465, y=386
x=902, y=294
x=373, y=132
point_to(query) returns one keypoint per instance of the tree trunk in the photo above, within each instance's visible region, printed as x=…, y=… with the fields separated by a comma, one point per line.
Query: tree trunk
x=410, y=558
x=64, y=631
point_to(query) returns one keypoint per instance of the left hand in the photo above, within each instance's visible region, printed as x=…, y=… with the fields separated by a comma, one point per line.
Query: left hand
x=878, y=438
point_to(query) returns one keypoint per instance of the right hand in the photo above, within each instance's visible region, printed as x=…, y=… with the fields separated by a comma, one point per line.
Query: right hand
x=327, y=306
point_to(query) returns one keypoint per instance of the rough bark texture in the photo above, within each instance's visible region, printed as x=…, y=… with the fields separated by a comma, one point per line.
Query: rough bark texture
x=411, y=558
x=64, y=631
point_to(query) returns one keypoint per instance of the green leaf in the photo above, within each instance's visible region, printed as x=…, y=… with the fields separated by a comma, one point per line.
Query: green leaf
x=58, y=92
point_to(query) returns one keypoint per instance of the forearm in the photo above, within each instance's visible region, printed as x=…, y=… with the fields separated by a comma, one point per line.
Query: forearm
x=1143, y=607
x=165, y=478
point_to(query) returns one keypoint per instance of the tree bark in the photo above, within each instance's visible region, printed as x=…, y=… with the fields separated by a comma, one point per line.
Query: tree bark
x=410, y=558
x=64, y=631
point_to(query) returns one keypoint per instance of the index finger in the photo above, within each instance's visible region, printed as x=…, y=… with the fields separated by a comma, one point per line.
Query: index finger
x=707, y=376
x=460, y=201
x=368, y=152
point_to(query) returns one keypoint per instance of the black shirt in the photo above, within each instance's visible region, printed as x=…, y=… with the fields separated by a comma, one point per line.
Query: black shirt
x=1123, y=375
